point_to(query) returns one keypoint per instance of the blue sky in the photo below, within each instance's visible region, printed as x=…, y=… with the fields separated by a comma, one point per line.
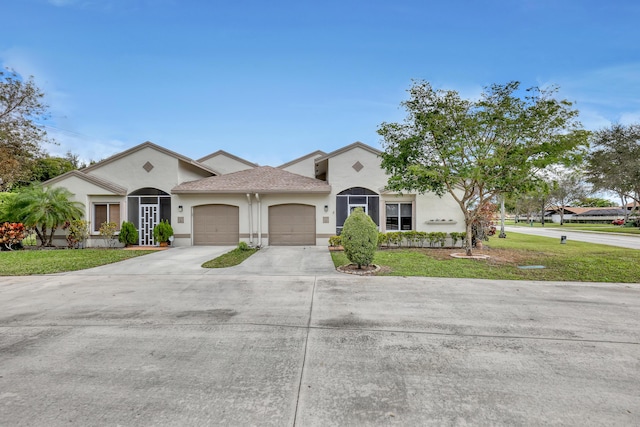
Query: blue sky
x=274, y=80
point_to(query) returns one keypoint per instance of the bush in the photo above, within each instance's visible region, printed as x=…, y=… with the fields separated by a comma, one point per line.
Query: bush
x=440, y=237
x=335, y=241
x=128, y=234
x=359, y=238
x=162, y=231
x=243, y=246
x=108, y=233
x=78, y=232
x=395, y=237
x=455, y=236
x=383, y=239
x=11, y=233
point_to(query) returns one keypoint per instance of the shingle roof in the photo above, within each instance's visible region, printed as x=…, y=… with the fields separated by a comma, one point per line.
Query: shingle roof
x=263, y=179
x=603, y=212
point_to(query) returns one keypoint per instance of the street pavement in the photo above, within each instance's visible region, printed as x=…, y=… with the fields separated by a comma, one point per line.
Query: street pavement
x=630, y=241
x=120, y=345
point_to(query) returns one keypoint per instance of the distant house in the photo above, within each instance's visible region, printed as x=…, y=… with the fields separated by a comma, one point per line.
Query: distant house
x=222, y=199
x=580, y=214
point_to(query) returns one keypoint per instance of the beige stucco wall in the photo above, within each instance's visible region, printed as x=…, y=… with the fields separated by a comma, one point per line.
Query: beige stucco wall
x=260, y=214
x=341, y=175
x=305, y=167
x=128, y=171
x=224, y=164
x=88, y=194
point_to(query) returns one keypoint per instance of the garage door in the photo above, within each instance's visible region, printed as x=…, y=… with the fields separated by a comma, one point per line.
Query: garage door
x=216, y=225
x=292, y=225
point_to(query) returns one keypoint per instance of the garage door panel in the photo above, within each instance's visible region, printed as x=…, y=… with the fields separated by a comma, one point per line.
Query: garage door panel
x=292, y=224
x=216, y=225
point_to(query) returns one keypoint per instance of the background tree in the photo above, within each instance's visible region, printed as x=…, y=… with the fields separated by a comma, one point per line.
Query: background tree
x=567, y=187
x=21, y=137
x=477, y=150
x=613, y=163
x=44, y=209
x=47, y=167
x=595, y=202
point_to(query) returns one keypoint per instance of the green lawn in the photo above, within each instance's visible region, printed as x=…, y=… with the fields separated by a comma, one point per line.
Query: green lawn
x=574, y=261
x=230, y=259
x=27, y=262
x=604, y=228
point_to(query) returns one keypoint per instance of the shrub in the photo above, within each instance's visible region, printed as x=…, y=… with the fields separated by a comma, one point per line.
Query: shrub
x=421, y=236
x=44, y=209
x=455, y=236
x=11, y=233
x=383, y=239
x=108, y=233
x=411, y=238
x=243, y=246
x=335, y=241
x=162, y=231
x=128, y=234
x=440, y=237
x=395, y=237
x=78, y=232
x=359, y=238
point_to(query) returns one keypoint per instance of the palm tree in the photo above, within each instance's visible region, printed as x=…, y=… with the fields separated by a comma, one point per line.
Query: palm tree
x=45, y=209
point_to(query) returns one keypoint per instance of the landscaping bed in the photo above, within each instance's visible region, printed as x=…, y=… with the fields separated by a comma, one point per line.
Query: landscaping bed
x=577, y=261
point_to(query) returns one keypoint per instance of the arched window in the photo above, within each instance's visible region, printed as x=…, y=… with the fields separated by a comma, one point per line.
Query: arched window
x=356, y=197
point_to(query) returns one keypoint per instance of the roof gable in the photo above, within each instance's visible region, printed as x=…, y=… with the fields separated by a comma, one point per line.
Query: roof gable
x=100, y=182
x=317, y=153
x=350, y=147
x=149, y=144
x=228, y=155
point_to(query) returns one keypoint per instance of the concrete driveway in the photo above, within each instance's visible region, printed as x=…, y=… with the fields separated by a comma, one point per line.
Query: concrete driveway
x=315, y=350
x=272, y=260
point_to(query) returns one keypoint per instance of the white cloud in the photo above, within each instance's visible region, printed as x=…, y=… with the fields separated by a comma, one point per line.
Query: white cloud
x=87, y=148
x=605, y=95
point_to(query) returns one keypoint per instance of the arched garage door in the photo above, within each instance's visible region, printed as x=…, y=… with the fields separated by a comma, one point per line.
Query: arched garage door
x=292, y=225
x=216, y=225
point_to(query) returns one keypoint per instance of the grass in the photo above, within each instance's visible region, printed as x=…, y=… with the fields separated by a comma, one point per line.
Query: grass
x=28, y=262
x=230, y=259
x=571, y=226
x=574, y=261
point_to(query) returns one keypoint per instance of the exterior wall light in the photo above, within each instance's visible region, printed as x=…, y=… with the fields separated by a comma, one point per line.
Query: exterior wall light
x=326, y=208
x=180, y=208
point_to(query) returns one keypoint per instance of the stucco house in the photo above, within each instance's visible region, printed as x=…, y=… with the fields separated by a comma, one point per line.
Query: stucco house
x=222, y=199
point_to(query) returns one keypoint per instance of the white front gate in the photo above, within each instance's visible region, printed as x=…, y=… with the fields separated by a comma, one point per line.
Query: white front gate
x=148, y=220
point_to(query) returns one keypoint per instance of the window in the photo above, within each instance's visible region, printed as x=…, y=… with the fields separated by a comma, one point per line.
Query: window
x=399, y=216
x=356, y=197
x=106, y=212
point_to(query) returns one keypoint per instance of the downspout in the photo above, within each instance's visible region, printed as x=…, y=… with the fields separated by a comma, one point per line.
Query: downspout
x=259, y=220
x=250, y=220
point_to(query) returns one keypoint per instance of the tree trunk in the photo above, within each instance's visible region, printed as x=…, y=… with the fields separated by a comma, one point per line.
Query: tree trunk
x=50, y=238
x=42, y=235
x=469, y=239
x=562, y=215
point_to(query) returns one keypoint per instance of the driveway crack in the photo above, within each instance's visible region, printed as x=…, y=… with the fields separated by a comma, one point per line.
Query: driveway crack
x=304, y=357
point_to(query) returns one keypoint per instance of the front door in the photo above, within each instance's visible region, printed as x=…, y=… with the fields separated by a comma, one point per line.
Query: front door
x=148, y=220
